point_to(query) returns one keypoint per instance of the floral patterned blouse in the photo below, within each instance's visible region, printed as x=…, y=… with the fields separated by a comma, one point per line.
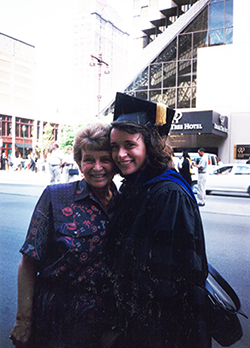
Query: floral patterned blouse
x=66, y=237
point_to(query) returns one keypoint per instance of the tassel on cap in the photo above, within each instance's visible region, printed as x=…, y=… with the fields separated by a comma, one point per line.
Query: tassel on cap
x=144, y=112
x=161, y=115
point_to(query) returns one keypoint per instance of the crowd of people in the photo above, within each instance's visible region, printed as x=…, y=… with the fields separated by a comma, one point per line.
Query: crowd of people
x=108, y=268
x=55, y=162
x=18, y=163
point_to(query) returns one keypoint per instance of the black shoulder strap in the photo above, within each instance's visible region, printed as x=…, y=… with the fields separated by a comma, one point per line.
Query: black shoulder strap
x=227, y=288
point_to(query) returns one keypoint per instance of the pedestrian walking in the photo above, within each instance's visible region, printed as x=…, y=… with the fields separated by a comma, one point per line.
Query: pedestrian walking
x=69, y=163
x=185, y=167
x=55, y=164
x=202, y=177
x=10, y=162
x=4, y=161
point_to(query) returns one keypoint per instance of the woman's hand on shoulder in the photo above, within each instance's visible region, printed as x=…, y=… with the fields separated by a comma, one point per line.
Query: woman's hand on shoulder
x=21, y=333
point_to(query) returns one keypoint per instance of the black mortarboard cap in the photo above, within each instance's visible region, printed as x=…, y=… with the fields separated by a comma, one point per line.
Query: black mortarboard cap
x=144, y=112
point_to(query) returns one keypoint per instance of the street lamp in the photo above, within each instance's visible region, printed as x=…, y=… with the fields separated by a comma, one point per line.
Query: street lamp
x=23, y=129
x=100, y=62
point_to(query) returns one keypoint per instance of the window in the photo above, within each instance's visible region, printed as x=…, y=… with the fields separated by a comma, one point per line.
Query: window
x=223, y=171
x=155, y=96
x=228, y=13
x=20, y=131
x=169, y=97
x=242, y=170
x=155, y=75
x=199, y=40
x=184, y=72
x=183, y=97
x=221, y=19
x=142, y=80
x=142, y=95
x=185, y=46
x=6, y=125
x=169, y=74
x=215, y=18
x=172, y=76
x=215, y=37
x=169, y=54
x=38, y=130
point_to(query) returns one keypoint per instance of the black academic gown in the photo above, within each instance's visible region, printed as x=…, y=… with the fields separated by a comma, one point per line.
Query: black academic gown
x=158, y=266
x=185, y=171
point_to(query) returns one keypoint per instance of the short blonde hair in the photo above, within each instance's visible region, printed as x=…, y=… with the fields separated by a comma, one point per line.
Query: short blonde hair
x=93, y=137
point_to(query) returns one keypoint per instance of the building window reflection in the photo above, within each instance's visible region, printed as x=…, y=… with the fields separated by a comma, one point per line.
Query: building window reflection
x=215, y=19
x=172, y=76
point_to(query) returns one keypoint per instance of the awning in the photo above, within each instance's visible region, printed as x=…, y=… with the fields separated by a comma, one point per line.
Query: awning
x=200, y=122
x=20, y=146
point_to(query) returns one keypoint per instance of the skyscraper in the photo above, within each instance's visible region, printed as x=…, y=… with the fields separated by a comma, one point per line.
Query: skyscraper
x=100, y=57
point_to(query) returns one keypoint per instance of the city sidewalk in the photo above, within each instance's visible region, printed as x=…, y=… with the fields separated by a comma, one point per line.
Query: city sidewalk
x=24, y=177
x=23, y=182
x=38, y=181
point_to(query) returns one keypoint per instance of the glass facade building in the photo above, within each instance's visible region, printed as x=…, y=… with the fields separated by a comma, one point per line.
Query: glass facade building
x=171, y=78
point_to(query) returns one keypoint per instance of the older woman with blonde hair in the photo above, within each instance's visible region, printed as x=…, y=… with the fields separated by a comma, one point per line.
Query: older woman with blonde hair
x=60, y=273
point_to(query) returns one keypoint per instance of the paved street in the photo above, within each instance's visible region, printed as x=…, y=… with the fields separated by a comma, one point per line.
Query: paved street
x=20, y=178
x=228, y=250
x=226, y=222
x=23, y=177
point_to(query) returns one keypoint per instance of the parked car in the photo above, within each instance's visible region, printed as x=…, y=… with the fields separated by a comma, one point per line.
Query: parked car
x=230, y=178
x=212, y=161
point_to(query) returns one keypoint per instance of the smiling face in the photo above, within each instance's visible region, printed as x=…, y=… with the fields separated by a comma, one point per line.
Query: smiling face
x=128, y=151
x=97, y=168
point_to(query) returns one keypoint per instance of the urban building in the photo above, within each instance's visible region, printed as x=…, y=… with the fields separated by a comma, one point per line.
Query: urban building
x=20, y=126
x=100, y=57
x=195, y=59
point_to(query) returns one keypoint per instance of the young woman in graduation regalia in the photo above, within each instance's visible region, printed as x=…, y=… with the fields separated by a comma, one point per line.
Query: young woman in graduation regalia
x=155, y=250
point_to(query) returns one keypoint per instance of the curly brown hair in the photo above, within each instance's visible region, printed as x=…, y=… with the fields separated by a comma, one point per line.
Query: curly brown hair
x=93, y=137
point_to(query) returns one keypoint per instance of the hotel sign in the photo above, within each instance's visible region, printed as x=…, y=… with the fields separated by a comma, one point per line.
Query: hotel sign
x=241, y=151
x=199, y=122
